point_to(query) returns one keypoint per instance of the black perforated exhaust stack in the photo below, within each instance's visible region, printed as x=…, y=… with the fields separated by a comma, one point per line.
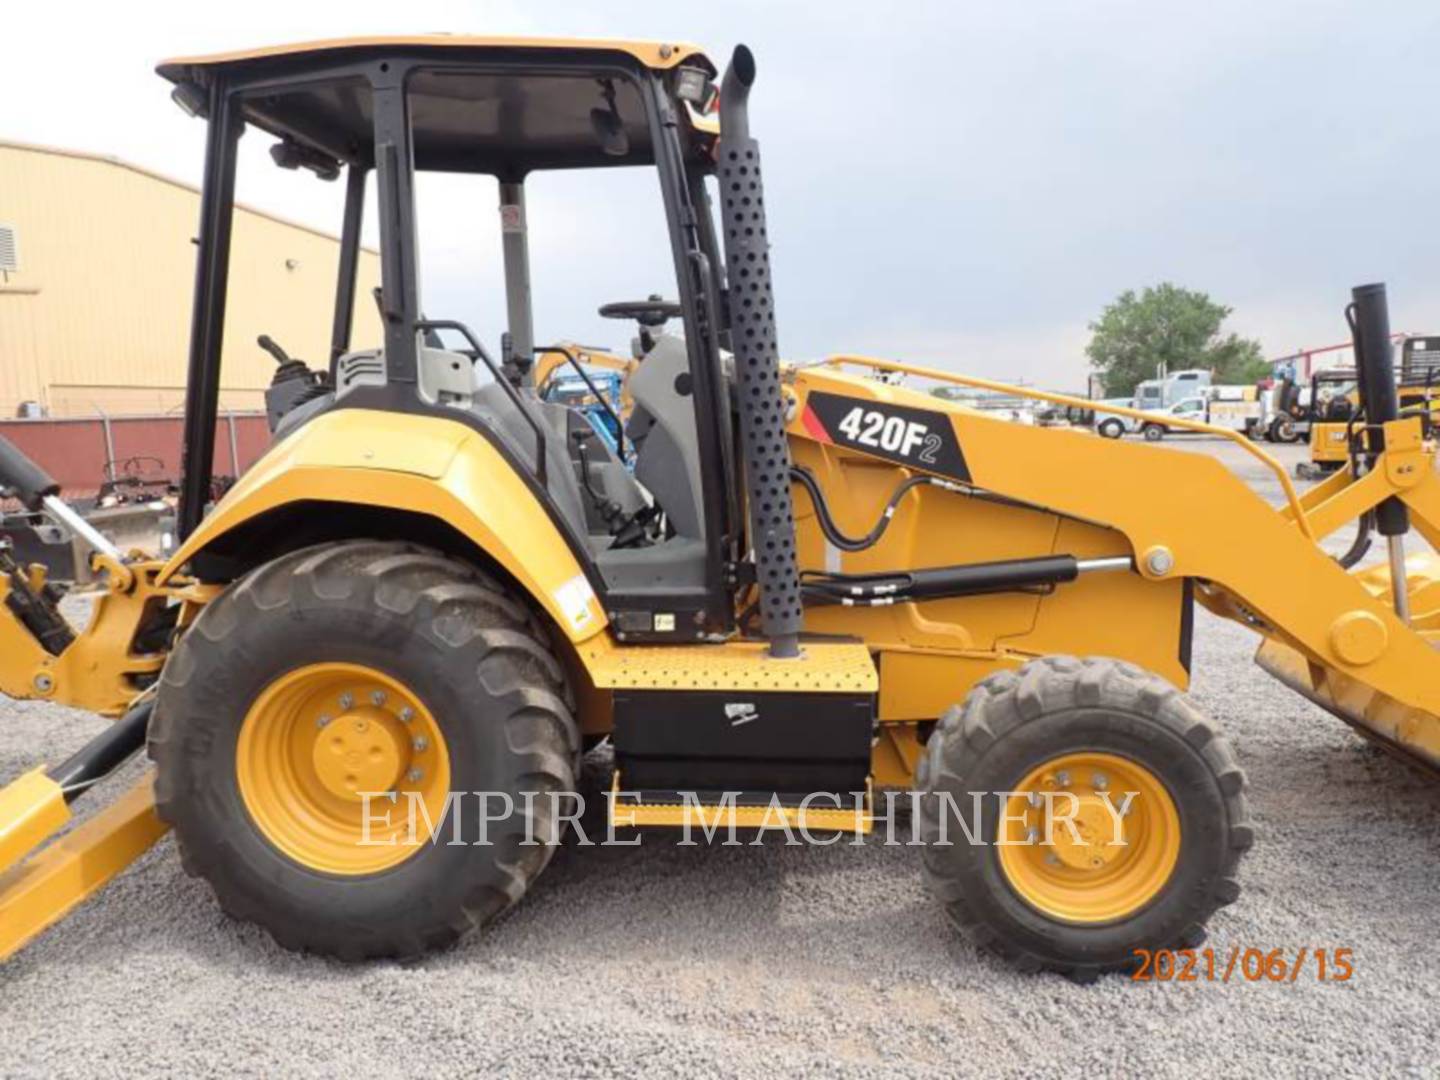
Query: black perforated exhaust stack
x=752, y=337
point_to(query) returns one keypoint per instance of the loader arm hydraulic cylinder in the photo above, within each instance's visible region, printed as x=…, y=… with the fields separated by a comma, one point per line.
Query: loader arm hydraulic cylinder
x=1370, y=324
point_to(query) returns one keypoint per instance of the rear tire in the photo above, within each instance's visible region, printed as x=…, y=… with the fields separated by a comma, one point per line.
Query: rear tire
x=1153, y=432
x=463, y=649
x=1014, y=722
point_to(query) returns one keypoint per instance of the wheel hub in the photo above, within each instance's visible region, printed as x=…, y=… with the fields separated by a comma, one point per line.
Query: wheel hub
x=1090, y=845
x=360, y=751
x=1089, y=838
x=316, y=747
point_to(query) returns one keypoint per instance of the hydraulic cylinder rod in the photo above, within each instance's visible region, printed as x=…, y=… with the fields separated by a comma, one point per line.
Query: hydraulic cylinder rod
x=1375, y=365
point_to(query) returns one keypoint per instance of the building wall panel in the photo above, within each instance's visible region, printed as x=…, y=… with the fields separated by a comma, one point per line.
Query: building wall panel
x=97, y=319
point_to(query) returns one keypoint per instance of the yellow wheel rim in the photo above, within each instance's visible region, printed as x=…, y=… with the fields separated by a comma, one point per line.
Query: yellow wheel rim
x=321, y=737
x=1102, y=869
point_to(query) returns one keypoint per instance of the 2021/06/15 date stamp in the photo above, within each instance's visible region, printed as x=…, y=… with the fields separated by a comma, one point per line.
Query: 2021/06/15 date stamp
x=1244, y=964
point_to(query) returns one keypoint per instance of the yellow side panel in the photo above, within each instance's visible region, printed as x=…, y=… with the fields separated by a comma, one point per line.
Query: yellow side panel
x=1112, y=614
x=920, y=685
x=426, y=465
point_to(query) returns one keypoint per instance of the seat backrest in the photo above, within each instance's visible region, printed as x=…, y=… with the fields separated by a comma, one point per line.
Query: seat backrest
x=495, y=407
x=663, y=430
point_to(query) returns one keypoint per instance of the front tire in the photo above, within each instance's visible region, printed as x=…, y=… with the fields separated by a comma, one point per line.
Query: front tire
x=351, y=667
x=1112, y=429
x=1064, y=726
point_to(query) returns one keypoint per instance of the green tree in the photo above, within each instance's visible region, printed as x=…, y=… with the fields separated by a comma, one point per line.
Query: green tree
x=1177, y=327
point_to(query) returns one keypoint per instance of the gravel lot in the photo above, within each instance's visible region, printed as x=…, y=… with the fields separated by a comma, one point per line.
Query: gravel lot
x=668, y=961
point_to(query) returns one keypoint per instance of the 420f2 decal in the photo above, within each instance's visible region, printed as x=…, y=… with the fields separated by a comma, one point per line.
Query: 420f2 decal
x=923, y=438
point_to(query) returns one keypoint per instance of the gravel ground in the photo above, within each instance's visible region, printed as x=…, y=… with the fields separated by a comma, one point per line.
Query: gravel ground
x=665, y=961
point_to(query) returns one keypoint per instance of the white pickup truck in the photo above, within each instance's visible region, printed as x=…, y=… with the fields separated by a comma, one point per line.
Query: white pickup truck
x=1240, y=412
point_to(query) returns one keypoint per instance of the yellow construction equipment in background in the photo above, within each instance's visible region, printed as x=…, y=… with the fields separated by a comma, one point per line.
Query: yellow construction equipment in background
x=814, y=586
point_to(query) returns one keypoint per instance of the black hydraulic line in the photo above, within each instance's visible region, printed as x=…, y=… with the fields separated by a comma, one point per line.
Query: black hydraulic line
x=839, y=539
x=1360, y=546
x=827, y=523
x=103, y=754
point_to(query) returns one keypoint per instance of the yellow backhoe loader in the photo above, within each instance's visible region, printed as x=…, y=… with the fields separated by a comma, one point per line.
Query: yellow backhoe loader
x=814, y=583
x=1334, y=399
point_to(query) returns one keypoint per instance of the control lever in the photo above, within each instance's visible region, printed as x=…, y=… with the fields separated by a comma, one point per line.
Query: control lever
x=269, y=344
x=609, y=509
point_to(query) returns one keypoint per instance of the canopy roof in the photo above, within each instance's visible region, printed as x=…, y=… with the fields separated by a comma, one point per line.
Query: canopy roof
x=653, y=54
x=507, y=122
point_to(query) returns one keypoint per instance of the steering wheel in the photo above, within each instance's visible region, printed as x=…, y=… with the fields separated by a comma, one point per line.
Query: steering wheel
x=651, y=312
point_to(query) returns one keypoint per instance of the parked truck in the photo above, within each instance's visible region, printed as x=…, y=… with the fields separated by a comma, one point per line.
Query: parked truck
x=1157, y=393
x=1234, y=407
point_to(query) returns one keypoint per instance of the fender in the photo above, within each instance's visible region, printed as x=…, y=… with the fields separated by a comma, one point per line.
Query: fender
x=421, y=464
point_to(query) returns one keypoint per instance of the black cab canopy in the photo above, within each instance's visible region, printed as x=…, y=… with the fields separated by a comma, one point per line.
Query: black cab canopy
x=498, y=105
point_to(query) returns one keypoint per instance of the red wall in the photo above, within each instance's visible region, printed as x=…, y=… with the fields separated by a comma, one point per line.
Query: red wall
x=74, y=452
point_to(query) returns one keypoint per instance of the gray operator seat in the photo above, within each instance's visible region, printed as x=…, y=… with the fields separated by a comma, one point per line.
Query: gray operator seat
x=663, y=431
x=662, y=428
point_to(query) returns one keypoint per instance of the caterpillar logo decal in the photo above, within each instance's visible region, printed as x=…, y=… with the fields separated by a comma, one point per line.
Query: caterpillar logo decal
x=923, y=438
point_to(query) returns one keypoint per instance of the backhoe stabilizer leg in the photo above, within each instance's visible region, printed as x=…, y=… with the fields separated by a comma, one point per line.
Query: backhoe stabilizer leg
x=32, y=810
x=43, y=890
x=38, y=892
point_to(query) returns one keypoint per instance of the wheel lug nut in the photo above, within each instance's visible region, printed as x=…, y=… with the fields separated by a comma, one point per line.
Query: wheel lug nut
x=415, y=776
x=1034, y=799
x=347, y=700
x=1031, y=835
x=1099, y=781
x=377, y=697
x=322, y=720
x=421, y=744
x=1062, y=778
x=1052, y=859
x=407, y=714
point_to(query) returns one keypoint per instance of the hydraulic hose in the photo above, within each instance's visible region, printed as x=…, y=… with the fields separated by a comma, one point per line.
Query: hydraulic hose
x=833, y=533
x=1360, y=546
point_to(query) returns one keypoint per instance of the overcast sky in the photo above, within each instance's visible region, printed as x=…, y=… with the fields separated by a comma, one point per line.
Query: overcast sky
x=962, y=184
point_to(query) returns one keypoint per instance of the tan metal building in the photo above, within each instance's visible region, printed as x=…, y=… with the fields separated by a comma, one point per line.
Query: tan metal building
x=96, y=268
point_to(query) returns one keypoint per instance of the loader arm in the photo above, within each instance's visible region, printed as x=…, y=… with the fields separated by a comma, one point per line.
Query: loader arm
x=1186, y=516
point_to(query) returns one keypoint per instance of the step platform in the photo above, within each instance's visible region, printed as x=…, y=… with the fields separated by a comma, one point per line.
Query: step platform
x=725, y=735
x=730, y=811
